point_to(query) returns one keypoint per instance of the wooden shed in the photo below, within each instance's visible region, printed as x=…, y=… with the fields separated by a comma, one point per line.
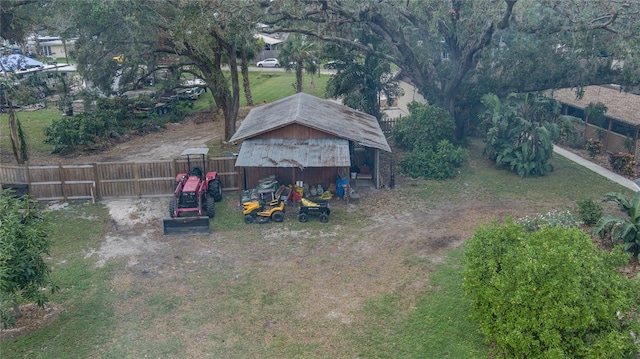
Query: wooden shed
x=309, y=139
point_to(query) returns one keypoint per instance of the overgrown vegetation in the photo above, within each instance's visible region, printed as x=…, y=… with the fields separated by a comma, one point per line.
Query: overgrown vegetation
x=623, y=163
x=589, y=211
x=521, y=130
x=111, y=120
x=623, y=229
x=428, y=133
x=535, y=302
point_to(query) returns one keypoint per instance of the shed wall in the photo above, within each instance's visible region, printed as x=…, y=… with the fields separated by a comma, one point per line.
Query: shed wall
x=294, y=131
x=286, y=176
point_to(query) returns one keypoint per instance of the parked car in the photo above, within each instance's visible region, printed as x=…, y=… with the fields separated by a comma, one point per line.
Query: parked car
x=190, y=94
x=270, y=62
x=334, y=64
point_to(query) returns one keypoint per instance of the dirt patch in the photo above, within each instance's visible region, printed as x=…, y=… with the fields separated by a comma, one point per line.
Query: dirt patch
x=33, y=318
x=135, y=225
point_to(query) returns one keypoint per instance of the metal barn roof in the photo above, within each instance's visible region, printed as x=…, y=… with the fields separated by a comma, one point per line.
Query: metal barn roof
x=313, y=112
x=294, y=153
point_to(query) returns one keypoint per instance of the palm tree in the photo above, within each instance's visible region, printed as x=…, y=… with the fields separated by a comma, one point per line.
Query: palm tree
x=360, y=83
x=298, y=53
x=626, y=229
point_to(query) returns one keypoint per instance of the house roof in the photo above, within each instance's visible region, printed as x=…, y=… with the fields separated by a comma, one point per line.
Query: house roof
x=297, y=153
x=268, y=39
x=313, y=112
x=16, y=62
x=620, y=105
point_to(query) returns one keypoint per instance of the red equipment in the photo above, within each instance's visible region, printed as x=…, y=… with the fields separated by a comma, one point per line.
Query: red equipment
x=194, y=197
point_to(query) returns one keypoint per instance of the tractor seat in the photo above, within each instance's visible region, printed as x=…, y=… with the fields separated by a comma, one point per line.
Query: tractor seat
x=196, y=171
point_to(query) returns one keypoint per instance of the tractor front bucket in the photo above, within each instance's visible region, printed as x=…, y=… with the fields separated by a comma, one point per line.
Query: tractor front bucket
x=185, y=226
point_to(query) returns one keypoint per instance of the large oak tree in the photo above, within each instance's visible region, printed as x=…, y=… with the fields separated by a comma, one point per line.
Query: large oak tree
x=173, y=36
x=455, y=51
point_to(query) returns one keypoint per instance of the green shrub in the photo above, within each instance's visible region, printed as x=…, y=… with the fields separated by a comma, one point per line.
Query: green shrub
x=423, y=128
x=589, y=211
x=594, y=147
x=439, y=164
x=550, y=293
x=428, y=132
x=623, y=163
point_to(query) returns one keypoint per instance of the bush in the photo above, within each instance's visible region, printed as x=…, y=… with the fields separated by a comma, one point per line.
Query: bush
x=623, y=163
x=424, y=128
x=428, y=132
x=594, y=147
x=549, y=293
x=441, y=164
x=589, y=211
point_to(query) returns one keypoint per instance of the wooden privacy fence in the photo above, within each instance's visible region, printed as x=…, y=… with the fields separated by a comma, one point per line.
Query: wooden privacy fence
x=109, y=179
x=387, y=124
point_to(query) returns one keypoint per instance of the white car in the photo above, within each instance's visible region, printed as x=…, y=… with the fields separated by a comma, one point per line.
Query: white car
x=271, y=62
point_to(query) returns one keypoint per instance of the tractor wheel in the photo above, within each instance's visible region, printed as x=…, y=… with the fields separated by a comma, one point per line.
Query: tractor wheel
x=248, y=219
x=303, y=217
x=277, y=216
x=324, y=218
x=211, y=207
x=172, y=207
x=215, y=190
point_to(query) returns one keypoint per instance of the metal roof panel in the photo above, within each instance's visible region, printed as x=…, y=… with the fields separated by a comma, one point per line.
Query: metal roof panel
x=294, y=153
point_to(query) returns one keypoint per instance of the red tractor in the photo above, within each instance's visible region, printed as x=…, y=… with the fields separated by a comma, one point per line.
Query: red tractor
x=194, y=197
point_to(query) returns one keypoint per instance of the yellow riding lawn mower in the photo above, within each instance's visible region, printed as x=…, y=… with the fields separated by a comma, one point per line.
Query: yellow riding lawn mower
x=259, y=212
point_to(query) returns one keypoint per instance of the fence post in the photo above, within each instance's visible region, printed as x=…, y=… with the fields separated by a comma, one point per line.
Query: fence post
x=96, y=181
x=136, y=175
x=62, y=185
x=27, y=175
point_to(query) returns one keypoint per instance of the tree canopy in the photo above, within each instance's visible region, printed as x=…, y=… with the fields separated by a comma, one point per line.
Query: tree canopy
x=455, y=51
x=166, y=38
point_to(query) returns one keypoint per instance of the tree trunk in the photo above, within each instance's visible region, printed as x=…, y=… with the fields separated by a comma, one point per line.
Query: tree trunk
x=244, y=66
x=17, y=313
x=299, y=77
x=17, y=138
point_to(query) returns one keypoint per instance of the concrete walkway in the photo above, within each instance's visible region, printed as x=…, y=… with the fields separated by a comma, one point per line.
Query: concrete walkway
x=597, y=169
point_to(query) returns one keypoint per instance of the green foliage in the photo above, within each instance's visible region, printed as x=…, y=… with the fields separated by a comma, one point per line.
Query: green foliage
x=623, y=163
x=626, y=230
x=555, y=218
x=112, y=118
x=521, y=132
x=439, y=164
x=550, y=293
x=23, y=242
x=428, y=132
x=594, y=147
x=423, y=128
x=590, y=211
